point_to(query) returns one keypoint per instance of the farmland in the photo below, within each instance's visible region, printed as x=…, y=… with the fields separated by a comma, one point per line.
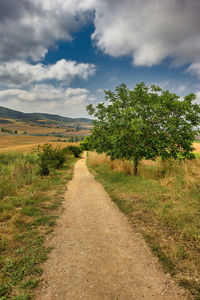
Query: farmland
x=24, y=132
x=197, y=147
x=27, y=143
x=43, y=128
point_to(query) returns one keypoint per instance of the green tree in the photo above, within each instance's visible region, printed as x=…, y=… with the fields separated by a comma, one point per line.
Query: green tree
x=145, y=122
x=85, y=145
x=50, y=158
x=71, y=139
x=76, y=139
x=75, y=150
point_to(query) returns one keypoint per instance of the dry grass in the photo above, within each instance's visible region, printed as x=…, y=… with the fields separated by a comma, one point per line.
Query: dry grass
x=197, y=147
x=98, y=159
x=27, y=143
x=116, y=165
x=166, y=172
x=22, y=127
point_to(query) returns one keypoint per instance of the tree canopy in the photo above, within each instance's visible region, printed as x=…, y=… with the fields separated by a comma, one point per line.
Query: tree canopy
x=145, y=122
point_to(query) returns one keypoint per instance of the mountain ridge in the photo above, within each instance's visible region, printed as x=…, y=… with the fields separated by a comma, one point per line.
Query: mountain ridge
x=15, y=114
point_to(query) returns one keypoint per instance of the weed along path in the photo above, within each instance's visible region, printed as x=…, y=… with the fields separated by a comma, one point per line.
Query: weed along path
x=97, y=255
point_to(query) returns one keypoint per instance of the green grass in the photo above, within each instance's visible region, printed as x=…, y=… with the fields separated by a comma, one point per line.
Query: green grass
x=163, y=203
x=27, y=217
x=16, y=170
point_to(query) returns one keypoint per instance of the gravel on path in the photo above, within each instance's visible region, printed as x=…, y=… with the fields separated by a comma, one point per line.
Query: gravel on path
x=97, y=255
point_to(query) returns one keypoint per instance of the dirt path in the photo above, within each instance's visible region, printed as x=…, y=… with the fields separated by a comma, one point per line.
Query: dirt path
x=97, y=254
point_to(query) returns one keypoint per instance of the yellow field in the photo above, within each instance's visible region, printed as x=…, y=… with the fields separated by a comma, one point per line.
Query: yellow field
x=197, y=147
x=22, y=127
x=26, y=143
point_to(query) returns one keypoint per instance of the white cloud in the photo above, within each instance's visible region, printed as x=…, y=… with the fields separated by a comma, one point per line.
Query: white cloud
x=48, y=98
x=28, y=28
x=149, y=31
x=23, y=73
x=194, y=69
x=181, y=88
x=198, y=97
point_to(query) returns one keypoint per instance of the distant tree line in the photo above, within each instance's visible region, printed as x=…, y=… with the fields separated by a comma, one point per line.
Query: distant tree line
x=9, y=130
x=76, y=139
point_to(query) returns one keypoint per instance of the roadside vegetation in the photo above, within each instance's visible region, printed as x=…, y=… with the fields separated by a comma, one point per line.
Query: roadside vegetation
x=144, y=142
x=145, y=123
x=163, y=203
x=31, y=192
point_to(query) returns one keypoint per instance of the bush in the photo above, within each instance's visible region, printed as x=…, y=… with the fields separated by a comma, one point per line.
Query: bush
x=75, y=150
x=50, y=158
x=86, y=145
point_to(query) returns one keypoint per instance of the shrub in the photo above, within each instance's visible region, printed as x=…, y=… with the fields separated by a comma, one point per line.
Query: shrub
x=50, y=158
x=75, y=150
x=86, y=144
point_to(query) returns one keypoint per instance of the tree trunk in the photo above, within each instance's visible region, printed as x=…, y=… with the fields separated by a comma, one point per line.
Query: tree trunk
x=135, y=167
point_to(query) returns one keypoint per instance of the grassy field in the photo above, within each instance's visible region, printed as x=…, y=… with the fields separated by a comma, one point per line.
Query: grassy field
x=197, y=147
x=163, y=203
x=21, y=127
x=27, y=143
x=34, y=128
x=29, y=207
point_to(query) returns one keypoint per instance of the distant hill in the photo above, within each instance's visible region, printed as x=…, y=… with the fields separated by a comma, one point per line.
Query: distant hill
x=17, y=115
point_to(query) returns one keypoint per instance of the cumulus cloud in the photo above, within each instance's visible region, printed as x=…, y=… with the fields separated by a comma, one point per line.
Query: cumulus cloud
x=23, y=73
x=149, y=30
x=194, y=69
x=48, y=98
x=28, y=28
x=198, y=97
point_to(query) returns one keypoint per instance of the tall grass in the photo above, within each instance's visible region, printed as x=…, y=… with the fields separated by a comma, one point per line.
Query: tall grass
x=26, y=218
x=186, y=174
x=16, y=170
x=124, y=166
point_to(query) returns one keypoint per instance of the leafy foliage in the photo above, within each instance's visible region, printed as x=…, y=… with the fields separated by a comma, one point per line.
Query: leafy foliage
x=145, y=122
x=50, y=158
x=75, y=150
x=85, y=145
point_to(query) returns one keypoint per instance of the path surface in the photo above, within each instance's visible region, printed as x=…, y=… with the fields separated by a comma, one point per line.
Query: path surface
x=97, y=254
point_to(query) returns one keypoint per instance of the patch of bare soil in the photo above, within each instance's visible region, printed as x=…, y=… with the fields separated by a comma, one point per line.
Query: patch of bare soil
x=97, y=254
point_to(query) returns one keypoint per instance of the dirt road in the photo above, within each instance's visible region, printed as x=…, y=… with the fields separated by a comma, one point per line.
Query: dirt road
x=97, y=254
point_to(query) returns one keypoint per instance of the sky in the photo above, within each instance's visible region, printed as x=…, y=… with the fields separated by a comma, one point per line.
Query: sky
x=57, y=56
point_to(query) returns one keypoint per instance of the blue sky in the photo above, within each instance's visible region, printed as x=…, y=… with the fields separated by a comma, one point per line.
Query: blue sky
x=57, y=56
x=112, y=71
